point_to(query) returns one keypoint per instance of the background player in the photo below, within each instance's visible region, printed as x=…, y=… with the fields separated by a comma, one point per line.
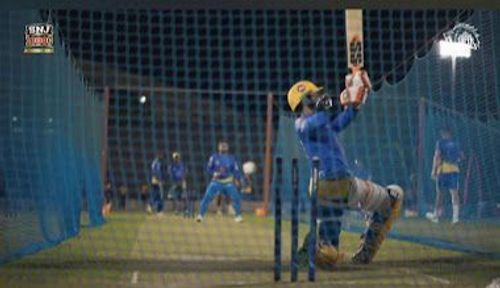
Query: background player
x=224, y=170
x=320, y=120
x=157, y=181
x=177, y=192
x=108, y=199
x=445, y=172
x=145, y=198
x=249, y=168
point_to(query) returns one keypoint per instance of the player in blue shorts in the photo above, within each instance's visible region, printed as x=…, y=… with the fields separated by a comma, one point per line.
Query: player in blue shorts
x=157, y=183
x=321, y=118
x=224, y=170
x=177, y=192
x=445, y=171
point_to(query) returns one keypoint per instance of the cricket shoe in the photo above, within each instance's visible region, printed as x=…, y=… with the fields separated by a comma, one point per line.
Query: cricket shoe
x=238, y=219
x=432, y=217
x=199, y=218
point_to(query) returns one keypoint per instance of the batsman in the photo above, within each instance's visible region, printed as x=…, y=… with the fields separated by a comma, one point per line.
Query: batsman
x=321, y=118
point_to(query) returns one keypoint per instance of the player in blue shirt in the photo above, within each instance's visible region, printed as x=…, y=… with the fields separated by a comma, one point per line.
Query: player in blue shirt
x=177, y=172
x=320, y=119
x=224, y=170
x=445, y=170
x=157, y=182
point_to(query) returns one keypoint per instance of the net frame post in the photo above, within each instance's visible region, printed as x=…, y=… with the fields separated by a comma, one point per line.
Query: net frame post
x=266, y=185
x=277, y=220
x=294, y=264
x=420, y=156
x=104, y=137
x=311, y=249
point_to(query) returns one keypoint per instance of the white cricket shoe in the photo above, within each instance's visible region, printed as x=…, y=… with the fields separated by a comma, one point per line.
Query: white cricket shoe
x=238, y=219
x=455, y=221
x=149, y=209
x=199, y=218
x=432, y=217
x=410, y=213
x=159, y=214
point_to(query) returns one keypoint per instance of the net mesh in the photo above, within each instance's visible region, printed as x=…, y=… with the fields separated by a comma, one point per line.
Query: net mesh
x=182, y=80
x=383, y=143
x=50, y=147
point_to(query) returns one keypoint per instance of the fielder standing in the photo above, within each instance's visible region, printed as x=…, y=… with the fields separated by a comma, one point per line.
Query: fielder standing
x=157, y=182
x=224, y=171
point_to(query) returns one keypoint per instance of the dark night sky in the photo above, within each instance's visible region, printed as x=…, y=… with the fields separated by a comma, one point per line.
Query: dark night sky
x=250, y=51
x=247, y=50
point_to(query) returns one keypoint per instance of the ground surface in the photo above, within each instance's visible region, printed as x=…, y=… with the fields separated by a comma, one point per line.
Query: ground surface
x=137, y=250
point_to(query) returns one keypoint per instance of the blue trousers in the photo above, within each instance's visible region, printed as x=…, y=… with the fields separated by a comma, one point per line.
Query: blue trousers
x=156, y=200
x=213, y=189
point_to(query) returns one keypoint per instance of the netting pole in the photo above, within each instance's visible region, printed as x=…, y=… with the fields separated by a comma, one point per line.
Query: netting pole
x=268, y=157
x=480, y=202
x=474, y=163
x=311, y=249
x=277, y=220
x=420, y=154
x=104, y=138
x=294, y=265
x=466, y=182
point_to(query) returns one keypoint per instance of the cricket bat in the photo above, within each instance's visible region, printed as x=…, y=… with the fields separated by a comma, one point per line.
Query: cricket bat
x=357, y=82
x=354, y=37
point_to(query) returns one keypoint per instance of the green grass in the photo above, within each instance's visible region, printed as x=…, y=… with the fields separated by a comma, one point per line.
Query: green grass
x=176, y=252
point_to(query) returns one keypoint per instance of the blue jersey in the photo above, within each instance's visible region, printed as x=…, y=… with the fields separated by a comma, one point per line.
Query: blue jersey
x=318, y=135
x=226, y=167
x=177, y=172
x=157, y=169
x=449, y=151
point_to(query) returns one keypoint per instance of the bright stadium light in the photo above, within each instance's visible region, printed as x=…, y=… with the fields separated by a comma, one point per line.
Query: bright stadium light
x=454, y=49
x=142, y=99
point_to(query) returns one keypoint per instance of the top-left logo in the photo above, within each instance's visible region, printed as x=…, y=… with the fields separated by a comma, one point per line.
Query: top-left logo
x=39, y=38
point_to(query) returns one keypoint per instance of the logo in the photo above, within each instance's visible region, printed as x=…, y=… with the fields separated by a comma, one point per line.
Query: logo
x=465, y=34
x=301, y=88
x=356, y=51
x=39, y=38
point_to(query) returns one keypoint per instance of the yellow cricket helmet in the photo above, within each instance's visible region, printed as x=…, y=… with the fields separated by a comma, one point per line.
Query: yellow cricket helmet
x=299, y=90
